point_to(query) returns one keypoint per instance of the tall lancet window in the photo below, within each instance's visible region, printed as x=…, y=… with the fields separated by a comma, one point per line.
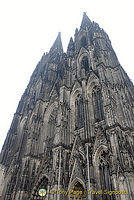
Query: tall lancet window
x=105, y=178
x=85, y=64
x=97, y=104
x=52, y=124
x=79, y=112
x=83, y=41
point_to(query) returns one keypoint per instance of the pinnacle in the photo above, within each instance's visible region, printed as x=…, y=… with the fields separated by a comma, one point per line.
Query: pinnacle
x=71, y=41
x=70, y=45
x=86, y=22
x=84, y=14
x=57, y=44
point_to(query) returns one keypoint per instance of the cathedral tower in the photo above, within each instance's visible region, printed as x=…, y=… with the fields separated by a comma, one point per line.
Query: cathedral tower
x=72, y=131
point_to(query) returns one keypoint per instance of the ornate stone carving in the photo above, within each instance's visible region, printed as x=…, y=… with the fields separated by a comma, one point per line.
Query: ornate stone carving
x=74, y=124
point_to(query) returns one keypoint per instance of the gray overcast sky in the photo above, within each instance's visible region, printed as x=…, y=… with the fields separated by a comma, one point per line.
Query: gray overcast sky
x=28, y=28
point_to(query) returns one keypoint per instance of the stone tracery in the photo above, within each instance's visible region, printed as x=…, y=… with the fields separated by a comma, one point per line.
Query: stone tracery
x=74, y=124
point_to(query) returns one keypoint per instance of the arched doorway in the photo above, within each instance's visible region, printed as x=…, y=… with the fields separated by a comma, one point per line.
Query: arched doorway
x=77, y=192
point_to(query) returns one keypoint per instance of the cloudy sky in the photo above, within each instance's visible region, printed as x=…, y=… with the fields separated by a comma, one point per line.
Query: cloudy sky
x=28, y=28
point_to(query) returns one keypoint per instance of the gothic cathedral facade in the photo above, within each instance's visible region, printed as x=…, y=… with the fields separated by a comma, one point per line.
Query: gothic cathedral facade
x=73, y=128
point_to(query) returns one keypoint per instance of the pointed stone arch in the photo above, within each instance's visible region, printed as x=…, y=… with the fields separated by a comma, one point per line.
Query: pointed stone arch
x=76, y=170
x=82, y=33
x=77, y=90
x=49, y=111
x=96, y=161
x=83, y=41
x=83, y=62
x=95, y=98
x=97, y=152
x=77, y=190
x=77, y=179
x=83, y=52
x=101, y=163
x=93, y=81
x=51, y=108
x=21, y=127
x=77, y=109
x=97, y=104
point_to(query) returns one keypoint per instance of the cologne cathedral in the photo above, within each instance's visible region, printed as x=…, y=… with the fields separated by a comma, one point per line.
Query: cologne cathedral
x=72, y=133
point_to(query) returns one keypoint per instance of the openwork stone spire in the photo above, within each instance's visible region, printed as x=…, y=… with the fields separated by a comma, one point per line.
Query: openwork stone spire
x=86, y=22
x=57, y=46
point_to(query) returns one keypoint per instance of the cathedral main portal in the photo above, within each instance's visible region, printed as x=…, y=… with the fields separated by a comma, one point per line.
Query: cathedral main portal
x=77, y=192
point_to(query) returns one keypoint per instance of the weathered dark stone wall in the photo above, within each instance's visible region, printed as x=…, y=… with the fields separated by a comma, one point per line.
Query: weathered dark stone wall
x=73, y=126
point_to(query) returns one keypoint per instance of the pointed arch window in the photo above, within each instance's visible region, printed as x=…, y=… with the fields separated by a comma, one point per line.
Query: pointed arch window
x=97, y=104
x=79, y=112
x=83, y=41
x=105, y=178
x=85, y=64
x=52, y=124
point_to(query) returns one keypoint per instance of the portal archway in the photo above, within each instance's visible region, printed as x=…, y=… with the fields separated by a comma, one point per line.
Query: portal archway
x=77, y=192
